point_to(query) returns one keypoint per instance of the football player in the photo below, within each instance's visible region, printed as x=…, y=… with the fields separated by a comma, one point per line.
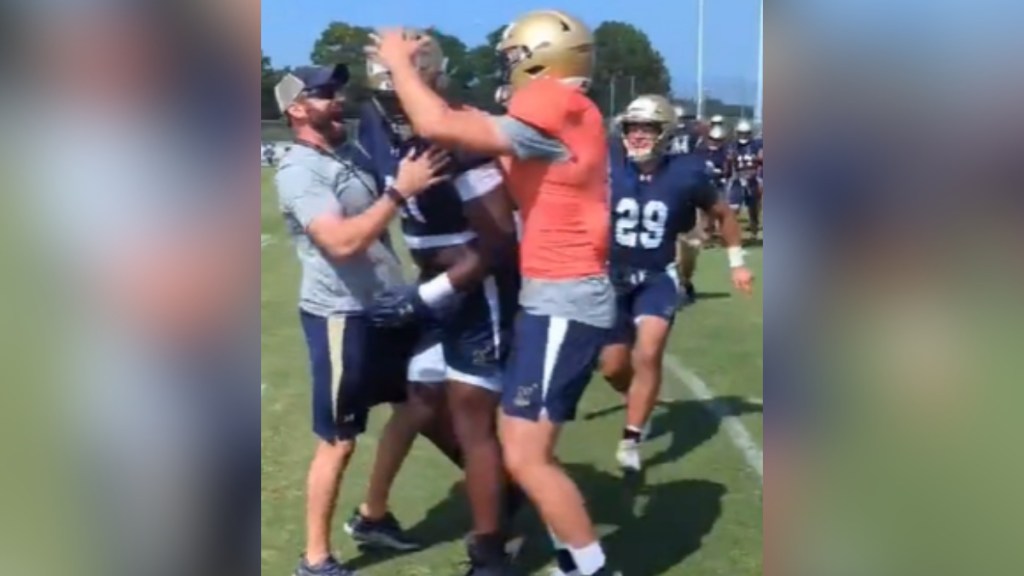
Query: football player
x=745, y=190
x=689, y=245
x=553, y=150
x=462, y=237
x=655, y=198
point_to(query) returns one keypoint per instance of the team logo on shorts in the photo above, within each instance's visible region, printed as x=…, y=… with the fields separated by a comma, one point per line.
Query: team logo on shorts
x=524, y=395
x=485, y=356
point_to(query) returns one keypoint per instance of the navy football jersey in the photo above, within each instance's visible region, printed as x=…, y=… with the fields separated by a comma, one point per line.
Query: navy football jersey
x=687, y=140
x=650, y=211
x=434, y=219
x=746, y=158
x=718, y=163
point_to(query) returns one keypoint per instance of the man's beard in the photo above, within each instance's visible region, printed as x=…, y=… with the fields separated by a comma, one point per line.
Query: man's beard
x=330, y=125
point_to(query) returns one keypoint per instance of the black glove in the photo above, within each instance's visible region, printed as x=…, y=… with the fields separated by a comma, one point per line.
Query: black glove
x=400, y=307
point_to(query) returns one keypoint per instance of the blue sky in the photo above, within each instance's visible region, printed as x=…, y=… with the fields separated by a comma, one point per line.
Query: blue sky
x=290, y=27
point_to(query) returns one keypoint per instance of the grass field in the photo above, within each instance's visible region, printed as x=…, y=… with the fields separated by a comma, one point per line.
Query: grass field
x=697, y=512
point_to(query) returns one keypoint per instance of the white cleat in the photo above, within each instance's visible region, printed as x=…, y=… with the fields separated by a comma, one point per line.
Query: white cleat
x=628, y=456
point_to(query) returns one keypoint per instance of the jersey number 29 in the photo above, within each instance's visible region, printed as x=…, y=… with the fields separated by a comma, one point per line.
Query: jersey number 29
x=645, y=225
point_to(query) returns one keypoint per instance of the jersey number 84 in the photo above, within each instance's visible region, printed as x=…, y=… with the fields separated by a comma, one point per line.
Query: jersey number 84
x=640, y=225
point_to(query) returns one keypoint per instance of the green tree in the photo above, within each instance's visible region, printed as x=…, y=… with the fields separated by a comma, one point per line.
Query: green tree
x=627, y=66
x=270, y=77
x=459, y=69
x=484, y=65
x=342, y=43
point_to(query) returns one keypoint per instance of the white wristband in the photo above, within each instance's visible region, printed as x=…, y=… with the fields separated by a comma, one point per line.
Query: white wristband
x=437, y=290
x=736, y=257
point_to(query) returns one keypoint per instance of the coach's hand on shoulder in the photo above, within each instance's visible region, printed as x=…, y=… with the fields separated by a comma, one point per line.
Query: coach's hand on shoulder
x=418, y=172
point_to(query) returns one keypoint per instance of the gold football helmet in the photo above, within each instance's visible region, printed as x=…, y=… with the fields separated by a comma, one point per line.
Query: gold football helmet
x=546, y=43
x=718, y=134
x=432, y=65
x=430, y=62
x=744, y=131
x=653, y=110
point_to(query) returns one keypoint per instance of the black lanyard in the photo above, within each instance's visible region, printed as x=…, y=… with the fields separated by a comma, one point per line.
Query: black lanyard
x=320, y=150
x=347, y=164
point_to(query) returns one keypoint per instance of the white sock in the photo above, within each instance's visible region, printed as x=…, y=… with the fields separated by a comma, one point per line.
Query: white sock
x=590, y=559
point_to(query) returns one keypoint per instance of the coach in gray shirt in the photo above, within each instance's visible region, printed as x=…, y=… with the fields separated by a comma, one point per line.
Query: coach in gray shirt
x=338, y=220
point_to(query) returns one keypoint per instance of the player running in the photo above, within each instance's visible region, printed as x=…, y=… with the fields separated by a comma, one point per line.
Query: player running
x=717, y=151
x=338, y=221
x=655, y=198
x=747, y=157
x=462, y=237
x=688, y=246
x=553, y=150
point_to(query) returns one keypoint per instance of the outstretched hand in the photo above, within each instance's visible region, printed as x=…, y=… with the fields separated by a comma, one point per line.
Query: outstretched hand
x=394, y=47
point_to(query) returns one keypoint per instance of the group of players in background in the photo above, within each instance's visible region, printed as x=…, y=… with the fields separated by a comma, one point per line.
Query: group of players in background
x=735, y=156
x=546, y=251
x=735, y=159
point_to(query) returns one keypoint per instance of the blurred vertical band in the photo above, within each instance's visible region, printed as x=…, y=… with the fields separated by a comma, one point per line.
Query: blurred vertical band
x=132, y=289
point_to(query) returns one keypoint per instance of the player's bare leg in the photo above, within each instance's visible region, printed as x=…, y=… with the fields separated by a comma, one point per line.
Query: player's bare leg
x=616, y=366
x=474, y=414
x=373, y=524
x=651, y=338
x=687, y=253
x=322, y=486
x=396, y=441
x=529, y=456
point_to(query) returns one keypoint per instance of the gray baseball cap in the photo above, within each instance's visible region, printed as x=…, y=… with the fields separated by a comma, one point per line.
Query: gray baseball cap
x=308, y=78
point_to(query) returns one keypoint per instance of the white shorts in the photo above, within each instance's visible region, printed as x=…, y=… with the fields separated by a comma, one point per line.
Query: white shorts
x=428, y=366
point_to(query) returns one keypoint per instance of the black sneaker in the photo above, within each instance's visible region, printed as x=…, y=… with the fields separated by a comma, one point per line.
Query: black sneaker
x=383, y=533
x=329, y=567
x=567, y=567
x=487, y=556
x=691, y=292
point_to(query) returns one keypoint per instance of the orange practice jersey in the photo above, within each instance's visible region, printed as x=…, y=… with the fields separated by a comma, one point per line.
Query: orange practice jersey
x=564, y=206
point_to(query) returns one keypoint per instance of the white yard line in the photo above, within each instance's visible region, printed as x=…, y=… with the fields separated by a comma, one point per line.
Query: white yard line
x=738, y=433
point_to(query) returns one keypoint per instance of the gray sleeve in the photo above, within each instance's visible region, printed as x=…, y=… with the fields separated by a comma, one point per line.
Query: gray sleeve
x=528, y=143
x=478, y=182
x=305, y=194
